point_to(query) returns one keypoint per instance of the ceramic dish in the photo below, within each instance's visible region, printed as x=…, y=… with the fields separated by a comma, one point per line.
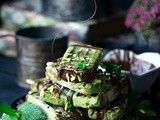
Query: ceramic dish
x=142, y=69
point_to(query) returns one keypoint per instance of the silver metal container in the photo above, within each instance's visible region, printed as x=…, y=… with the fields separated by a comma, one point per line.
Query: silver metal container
x=34, y=49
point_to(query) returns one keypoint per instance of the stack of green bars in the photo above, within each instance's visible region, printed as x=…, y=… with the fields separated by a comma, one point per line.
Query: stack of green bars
x=78, y=87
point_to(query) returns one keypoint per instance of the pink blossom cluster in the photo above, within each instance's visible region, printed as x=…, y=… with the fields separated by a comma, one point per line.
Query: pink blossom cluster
x=143, y=14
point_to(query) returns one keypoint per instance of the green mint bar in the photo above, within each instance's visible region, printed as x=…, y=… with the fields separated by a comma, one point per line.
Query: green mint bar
x=53, y=112
x=115, y=113
x=58, y=95
x=100, y=83
x=78, y=64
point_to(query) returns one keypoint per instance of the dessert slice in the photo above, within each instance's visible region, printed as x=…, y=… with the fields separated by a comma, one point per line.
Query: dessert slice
x=114, y=111
x=59, y=95
x=78, y=64
x=78, y=100
x=94, y=87
x=50, y=92
x=100, y=82
x=56, y=112
x=97, y=100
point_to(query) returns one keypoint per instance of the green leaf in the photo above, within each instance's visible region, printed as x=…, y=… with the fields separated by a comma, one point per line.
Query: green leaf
x=117, y=70
x=139, y=110
x=68, y=106
x=112, y=69
x=80, y=66
x=145, y=104
x=150, y=113
x=30, y=111
x=108, y=67
x=8, y=117
x=4, y=108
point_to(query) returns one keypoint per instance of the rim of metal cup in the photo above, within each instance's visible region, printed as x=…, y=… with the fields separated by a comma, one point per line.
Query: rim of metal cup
x=41, y=35
x=50, y=31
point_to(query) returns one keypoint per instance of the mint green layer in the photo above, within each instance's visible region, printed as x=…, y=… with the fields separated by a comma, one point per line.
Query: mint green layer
x=55, y=99
x=99, y=100
x=79, y=60
x=97, y=86
x=116, y=113
x=100, y=84
x=82, y=54
x=84, y=101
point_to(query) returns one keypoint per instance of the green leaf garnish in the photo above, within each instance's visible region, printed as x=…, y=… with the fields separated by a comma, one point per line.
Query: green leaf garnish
x=117, y=70
x=146, y=104
x=30, y=111
x=80, y=66
x=26, y=111
x=8, y=117
x=150, y=113
x=4, y=108
x=112, y=69
x=142, y=109
x=68, y=106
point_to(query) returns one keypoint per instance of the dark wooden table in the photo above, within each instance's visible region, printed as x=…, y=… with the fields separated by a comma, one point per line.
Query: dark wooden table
x=9, y=90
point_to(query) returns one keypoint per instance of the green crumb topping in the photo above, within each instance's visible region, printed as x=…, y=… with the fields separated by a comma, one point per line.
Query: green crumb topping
x=68, y=106
x=80, y=66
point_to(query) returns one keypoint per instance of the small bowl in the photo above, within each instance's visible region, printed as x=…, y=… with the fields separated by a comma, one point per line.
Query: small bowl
x=145, y=76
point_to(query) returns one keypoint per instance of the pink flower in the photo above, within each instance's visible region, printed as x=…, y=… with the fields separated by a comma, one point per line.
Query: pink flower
x=145, y=1
x=128, y=23
x=143, y=14
x=155, y=8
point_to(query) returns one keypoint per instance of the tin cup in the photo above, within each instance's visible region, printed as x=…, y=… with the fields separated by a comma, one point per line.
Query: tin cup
x=35, y=47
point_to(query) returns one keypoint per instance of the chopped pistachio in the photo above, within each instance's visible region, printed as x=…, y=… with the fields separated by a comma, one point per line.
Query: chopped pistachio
x=77, y=57
x=82, y=59
x=56, y=95
x=68, y=54
x=49, y=63
x=42, y=93
x=88, y=58
x=30, y=92
x=67, y=59
x=67, y=76
x=73, y=77
x=80, y=66
x=97, y=80
x=51, y=89
x=87, y=64
x=81, y=73
x=66, y=106
x=79, y=79
x=74, y=55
